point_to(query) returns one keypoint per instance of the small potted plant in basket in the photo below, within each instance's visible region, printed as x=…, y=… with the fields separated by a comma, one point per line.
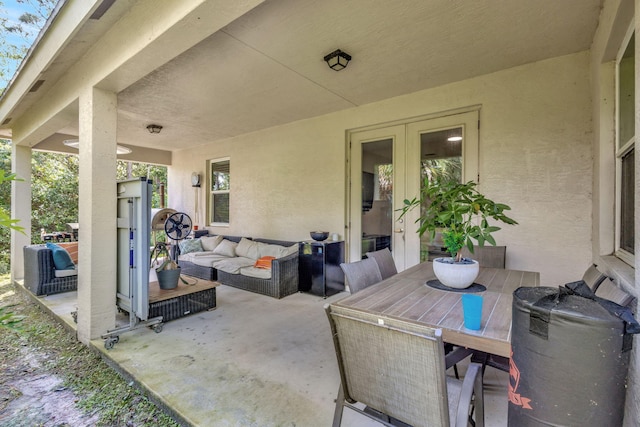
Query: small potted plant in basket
x=460, y=212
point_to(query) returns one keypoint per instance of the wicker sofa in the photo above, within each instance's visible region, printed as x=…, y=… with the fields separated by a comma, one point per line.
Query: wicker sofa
x=40, y=276
x=238, y=270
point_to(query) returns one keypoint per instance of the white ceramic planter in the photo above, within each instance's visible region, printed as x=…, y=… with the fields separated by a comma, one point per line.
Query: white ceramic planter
x=457, y=276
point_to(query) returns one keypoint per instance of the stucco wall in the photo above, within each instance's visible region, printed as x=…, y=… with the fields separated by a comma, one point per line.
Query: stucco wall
x=615, y=20
x=535, y=155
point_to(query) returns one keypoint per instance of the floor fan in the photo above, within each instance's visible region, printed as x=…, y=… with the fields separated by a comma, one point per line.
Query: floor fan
x=177, y=227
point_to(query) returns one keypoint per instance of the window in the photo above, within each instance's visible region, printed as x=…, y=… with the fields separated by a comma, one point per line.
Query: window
x=625, y=150
x=219, y=191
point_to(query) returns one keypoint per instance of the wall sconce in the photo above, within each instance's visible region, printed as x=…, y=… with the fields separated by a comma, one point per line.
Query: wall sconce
x=154, y=128
x=337, y=60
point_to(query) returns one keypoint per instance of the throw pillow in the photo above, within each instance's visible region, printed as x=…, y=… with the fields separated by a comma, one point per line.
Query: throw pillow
x=61, y=258
x=264, y=262
x=190, y=245
x=248, y=249
x=226, y=248
x=209, y=243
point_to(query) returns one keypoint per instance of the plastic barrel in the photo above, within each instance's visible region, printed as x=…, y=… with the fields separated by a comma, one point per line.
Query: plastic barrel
x=569, y=361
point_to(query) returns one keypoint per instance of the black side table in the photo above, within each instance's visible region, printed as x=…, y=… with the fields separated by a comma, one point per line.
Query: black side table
x=319, y=267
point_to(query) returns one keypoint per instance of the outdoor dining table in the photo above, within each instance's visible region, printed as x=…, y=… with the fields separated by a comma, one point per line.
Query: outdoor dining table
x=406, y=296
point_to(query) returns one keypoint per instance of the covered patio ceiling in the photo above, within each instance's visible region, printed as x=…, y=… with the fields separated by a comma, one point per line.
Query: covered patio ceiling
x=266, y=68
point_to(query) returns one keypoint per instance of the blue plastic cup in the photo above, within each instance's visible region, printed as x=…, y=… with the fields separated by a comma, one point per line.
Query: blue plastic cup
x=472, y=309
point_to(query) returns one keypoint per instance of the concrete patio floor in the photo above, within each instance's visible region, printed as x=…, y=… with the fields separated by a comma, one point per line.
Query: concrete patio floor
x=253, y=361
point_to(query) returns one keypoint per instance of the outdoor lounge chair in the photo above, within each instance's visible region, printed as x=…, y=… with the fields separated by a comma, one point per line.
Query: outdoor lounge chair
x=385, y=262
x=397, y=369
x=361, y=274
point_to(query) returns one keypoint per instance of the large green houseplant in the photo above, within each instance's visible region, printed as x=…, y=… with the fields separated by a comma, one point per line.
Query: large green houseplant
x=459, y=212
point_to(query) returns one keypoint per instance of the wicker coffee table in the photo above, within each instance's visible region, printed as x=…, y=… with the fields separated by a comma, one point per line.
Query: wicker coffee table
x=184, y=300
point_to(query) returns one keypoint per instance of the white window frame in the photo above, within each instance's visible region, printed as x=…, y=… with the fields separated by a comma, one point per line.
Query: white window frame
x=620, y=152
x=211, y=192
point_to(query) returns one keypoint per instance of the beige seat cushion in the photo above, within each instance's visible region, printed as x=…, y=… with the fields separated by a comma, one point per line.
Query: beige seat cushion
x=233, y=265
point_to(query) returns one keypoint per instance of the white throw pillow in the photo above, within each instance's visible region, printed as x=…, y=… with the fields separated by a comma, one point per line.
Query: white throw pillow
x=248, y=249
x=227, y=248
x=293, y=249
x=209, y=243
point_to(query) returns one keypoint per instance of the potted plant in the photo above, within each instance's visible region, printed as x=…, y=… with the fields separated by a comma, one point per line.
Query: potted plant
x=168, y=272
x=460, y=213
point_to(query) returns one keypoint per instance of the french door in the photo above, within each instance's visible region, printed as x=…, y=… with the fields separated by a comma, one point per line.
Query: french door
x=388, y=165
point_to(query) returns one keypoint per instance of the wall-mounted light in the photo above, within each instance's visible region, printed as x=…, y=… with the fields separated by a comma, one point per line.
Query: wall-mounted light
x=337, y=60
x=74, y=143
x=154, y=128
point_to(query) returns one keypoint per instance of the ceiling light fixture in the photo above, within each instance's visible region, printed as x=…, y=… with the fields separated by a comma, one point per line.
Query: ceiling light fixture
x=74, y=143
x=454, y=138
x=154, y=128
x=337, y=60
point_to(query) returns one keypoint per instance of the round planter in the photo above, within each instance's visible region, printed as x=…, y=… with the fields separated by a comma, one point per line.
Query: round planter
x=455, y=275
x=168, y=279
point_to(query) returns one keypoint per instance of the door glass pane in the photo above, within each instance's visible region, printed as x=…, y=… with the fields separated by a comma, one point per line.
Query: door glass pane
x=440, y=160
x=377, y=195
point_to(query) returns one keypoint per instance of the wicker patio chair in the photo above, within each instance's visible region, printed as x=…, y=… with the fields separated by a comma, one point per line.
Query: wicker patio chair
x=385, y=262
x=397, y=369
x=361, y=274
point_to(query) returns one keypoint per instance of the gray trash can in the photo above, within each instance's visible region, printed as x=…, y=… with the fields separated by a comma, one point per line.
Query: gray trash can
x=569, y=361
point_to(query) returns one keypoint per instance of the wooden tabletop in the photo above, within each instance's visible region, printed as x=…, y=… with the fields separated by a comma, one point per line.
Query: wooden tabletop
x=156, y=294
x=406, y=296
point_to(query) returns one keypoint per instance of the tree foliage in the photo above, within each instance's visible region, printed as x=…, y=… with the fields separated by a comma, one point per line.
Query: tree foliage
x=17, y=34
x=54, y=191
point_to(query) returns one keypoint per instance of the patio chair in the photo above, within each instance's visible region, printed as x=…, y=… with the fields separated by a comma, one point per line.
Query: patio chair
x=397, y=370
x=593, y=277
x=487, y=256
x=361, y=274
x=385, y=262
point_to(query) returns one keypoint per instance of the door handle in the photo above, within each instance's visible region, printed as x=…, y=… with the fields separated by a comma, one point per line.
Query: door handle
x=399, y=230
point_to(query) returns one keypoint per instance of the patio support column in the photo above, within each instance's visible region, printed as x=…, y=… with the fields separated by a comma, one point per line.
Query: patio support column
x=20, y=207
x=97, y=214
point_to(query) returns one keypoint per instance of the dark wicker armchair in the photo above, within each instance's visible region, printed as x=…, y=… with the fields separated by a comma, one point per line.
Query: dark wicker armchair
x=39, y=273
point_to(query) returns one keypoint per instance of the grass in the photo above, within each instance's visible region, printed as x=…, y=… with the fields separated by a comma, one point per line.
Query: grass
x=98, y=389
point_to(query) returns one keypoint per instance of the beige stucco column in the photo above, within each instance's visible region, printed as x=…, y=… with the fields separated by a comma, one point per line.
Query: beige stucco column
x=97, y=214
x=20, y=207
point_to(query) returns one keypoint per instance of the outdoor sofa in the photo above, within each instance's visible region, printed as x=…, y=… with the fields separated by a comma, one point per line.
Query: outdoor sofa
x=264, y=266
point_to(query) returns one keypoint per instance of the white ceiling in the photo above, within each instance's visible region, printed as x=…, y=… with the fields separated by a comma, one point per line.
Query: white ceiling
x=267, y=68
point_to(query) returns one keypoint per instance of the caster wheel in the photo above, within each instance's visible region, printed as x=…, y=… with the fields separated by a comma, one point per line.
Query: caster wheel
x=157, y=328
x=110, y=342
